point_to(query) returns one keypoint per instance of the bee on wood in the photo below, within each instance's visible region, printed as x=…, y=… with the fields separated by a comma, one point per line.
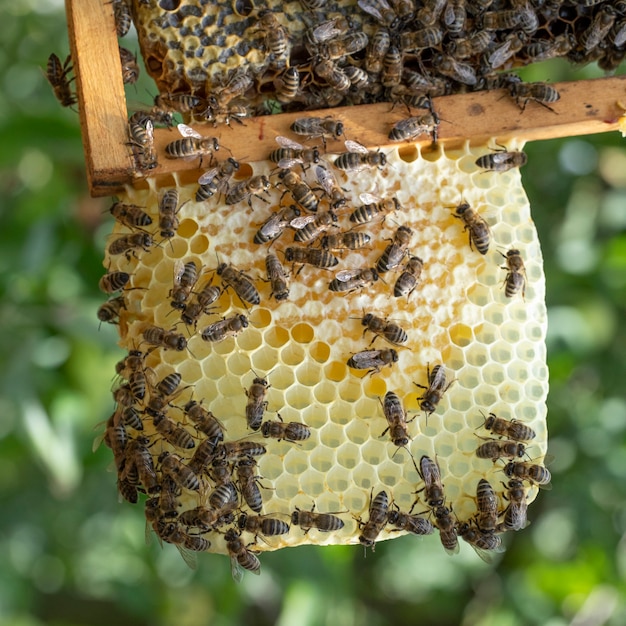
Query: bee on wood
x=436, y=388
x=235, y=87
x=479, y=232
x=324, y=522
x=375, y=207
x=502, y=160
x=277, y=277
x=109, y=312
x=542, y=93
x=495, y=449
x=185, y=277
x=410, y=128
x=351, y=280
x=192, y=146
x=128, y=244
x=395, y=252
x=350, y=240
x=292, y=153
x=141, y=135
x=408, y=279
x=275, y=224
x=261, y=525
x=130, y=67
x=244, y=190
x=248, y=482
x=239, y=282
x=359, y=157
x=533, y=473
x=309, y=227
x=373, y=360
x=515, y=513
x=216, y=179
x=382, y=328
x=168, y=209
x=378, y=510
x=311, y=256
x=322, y=127
x=240, y=557
x=256, y=405
x=227, y=327
x=57, y=75
x=167, y=339
x=130, y=215
x=512, y=429
x=113, y=281
x=204, y=421
x=173, y=466
x=487, y=504
x=396, y=418
x=289, y=431
x=328, y=182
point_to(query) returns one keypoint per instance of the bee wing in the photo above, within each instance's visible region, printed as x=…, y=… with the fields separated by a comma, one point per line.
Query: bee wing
x=355, y=146
x=368, y=7
x=150, y=131
x=368, y=198
x=439, y=379
x=345, y=275
x=301, y=222
x=235, y=569
x=188, y=556
x=179, y=270
x=430, y=472
x=287, y=164
x=285, y=142
x=325, y=178
x=487, y=555
x=326, y=31
x=453, y=551
x=366, y=356
x=208, y=176
x=187, y=131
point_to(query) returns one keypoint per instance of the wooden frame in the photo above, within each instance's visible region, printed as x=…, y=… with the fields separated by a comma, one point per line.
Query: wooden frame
x=585, y=107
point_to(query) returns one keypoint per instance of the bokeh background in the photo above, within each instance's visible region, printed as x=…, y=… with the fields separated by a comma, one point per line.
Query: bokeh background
x=72, y=555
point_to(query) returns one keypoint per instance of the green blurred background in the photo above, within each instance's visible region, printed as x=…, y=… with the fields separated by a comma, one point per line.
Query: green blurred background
x=72, y=555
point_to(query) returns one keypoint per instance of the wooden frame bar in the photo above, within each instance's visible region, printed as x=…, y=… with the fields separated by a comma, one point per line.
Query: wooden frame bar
x=585, y=107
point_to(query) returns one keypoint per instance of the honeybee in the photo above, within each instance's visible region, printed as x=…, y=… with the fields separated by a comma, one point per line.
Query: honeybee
x=138, y=454
x=515, y=513
x=137, y=377
x=180, y=102
x=500, y=20
x=536, y=474
x=185, y=277
x=328, y=182
x=499, y=54
x=323, y=32
x=57, y=75
x=351, y=280
x=324, y=522
x=168, y=209
x=276, y=39
x=123, y=396
x=291, y=153
x=289, y=431
x=395, y=252
x=542, y=93
x=173, y=466
x=192, y=146
x=332, y=74
x=508, y=428
x=359, y=157
x=407, y=281
x=380, y=11
x=168, y=498
x=373, y=360
x=487, y=504
x=185, y=543
x=167, y=339
x=206, y=519
x=130, y=215
x=131, y=418
x=172, y=432
x=433, y=487
x=311, y=256
x=323, y=127
x=301, y=192
x=378, y=509
x=288, y=85
x=130, y=67
x=375, y=206
x=113, y=281
x=200, y=303
x=412, y=127
x=127, y=244
x=458, y=71
x=127, y=490
x=430, y=13
x=309, y=227
x=393, y=64
x=479, y=232
x=123, y=19
x=235, y=87
x=415, y=40
x=447, y=529
x=542, y=49
x=249, y=484
x=359, y=78
x=495, y=449
x=216, y=179
x=385, y=329
x=239, y=282
x=351, y=240
x=413, y=524
x=154, y=115
x=277, y=277
x=502, y=160
x=110, y=311
x=116, y=438
x=258, y=524
x=204, y=421
x=256, y=404
x=235, y=450
x=435, y=390
x=599, y=28
x=396, y=418
x=473, y=45
x=227, y=327
x=274, y=226
x=203, y=456
x=225, y=494
x=339, y=47
x=454, y=16
x=142, y=144
x=244, y=190
x=240, y=557
x=376, y=50
x=313, y=5
x=483, y=543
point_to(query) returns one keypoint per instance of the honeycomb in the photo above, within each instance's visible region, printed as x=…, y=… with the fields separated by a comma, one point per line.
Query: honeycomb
x=491, y=348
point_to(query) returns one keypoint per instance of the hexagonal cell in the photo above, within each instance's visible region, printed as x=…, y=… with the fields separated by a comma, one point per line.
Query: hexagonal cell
x=325, y=392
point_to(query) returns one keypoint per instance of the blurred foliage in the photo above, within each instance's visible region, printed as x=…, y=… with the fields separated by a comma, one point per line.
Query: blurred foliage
x=73, y=556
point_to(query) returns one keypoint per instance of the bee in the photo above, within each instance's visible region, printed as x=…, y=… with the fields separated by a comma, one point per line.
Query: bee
x=193, y=145
x=57, y=75
x=291, y=153
x=154, y=115
x=479, y=233
x=236, y=450
x=373, y=360
x=515, y=513
x=536, y=474
x=359, y=78
x=415, y=40
x=315, y=36
x=543, y=49
x=407, y=281
x=227, y=327
x=239, y=282
x=113, y=281
x=130, y=215
x=378, y=510
x=131, y=418
x=311, y=256
x=172, y=432
x=206, y=519
x=185, y=543
x=137, y=382
x=376, y=50
x=240, y=557
x=123, y=19
x=324, y=522
x=502, y=160
x=123, y=396
x=412, y=127
x=395, y=252
x=301, y=193
x=257, y=404
x=289, y=431
x=483, y=543
x=309, y=227
x=110, y=311
x=393, y=63
x=127, y=490
x=500, y=20
x=274, y=226
x=487, y=504
x=173, y=466
x=430, y=13
x=332, y=74
x=180, y=102
x=375, y=206
x=130, y=67
x=245, y=189
x=276, y=39
x=168, y=208
x=599, y=28
x=541, y=93
x=433, y=487
x=458, y=71
x=382, y=328
x=168, y=339
x=185, y=277
x=494, y=449
x=339, y=47
x=350, y=240
x=138, y=454
x=249, y=484
x=258, y=524
x=435, y=390
x=322, y=127
x=142, y=144
x=471, y=46
x=216, y=179
x=351, y=280
x=127, y=244
x=200, y=303
x=168, y=498
x=288, y=85
x=380, y=11
x=499, y=54
x=413, y=524
x=509, y=428
x=454, y=16
x=396, y=418
x=277, y=277
x=447, y=529
x=116, y=438
x=359, y=157
x=225, y=494
x=204, y=421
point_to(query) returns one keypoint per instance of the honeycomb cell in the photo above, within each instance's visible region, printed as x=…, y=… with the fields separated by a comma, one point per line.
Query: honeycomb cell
x=264, y=359
x=302, y=333
x=348, y=455
x=320, y=351
x=249, y=340
x=308, y=374
x=338, y=480
x=276, y=336
x=292, y=354
x=325, y=392
x=322, y=459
